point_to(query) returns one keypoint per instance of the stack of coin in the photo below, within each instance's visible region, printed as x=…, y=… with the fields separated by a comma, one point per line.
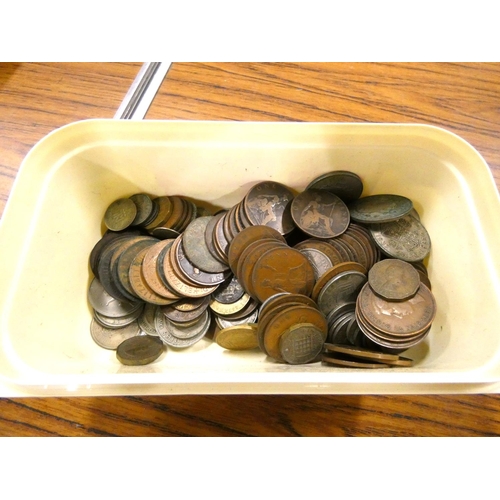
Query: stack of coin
x=359, y=357
x=291, y=329
x=394, y=309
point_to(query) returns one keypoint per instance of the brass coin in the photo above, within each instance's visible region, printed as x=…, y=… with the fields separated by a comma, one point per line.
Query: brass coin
x=282, y=269
x=140, y=350
x=330, y=360
x=347, y=185
x=319, y=213
x=144, y=205
x=268, y=204
x=251, y=306
x=283, y=320
x=335, y=271
x=228, y=309
x=379, y=208
x=250, y=235
x=394, y=279
x=120, y=214
x=405, y=239
x=238, y=338
x=301, y=344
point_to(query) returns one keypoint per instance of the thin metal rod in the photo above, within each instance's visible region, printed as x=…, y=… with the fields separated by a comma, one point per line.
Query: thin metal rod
x=143, y=90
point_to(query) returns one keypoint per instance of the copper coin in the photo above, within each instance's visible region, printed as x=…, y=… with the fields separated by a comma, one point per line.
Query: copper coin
x=120, y=214
x=405, y=239
x=268, y=204
x=344, y=249
x=250, y=235
x=283, y=320
x=164, y=233
x=238, y=338
x=360, y=255
x=360, y=352
x=150, y=270
x=282, y=269
x=347, y=185
x=221, y=244
x=164, y=208
x=330, y=360
x=138, y=351
x=139, y=284
x=410, y=316
x=319, y=213
x=394, y=279
x=301, y=344
x=379, y=208
x=335, y=271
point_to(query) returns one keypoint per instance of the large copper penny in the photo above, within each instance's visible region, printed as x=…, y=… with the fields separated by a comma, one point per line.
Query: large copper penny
x=282, y=269
x=268, y=204
x=320, y=213
x=347, y=185
x=394, y=279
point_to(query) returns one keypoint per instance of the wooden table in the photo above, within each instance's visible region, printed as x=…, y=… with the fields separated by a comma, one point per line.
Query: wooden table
x=36, y=98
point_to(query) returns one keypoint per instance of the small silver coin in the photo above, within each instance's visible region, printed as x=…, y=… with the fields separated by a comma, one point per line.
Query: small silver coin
x=168, y=333
x=107, y=305
x=339, y=290
x=319, y=261
x=147, y=320
x=119, y=322
x=111, y=338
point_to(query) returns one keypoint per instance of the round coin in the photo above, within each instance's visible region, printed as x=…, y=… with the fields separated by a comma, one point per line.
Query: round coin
x=144, y=205
x=120, y=214
x=347, y=185
x=140, y=350
x=341, y=289
x=238, y=338
x=107, y=305
x=111, y=338
x=394, y=279
x=319, y=213
x=379, y=208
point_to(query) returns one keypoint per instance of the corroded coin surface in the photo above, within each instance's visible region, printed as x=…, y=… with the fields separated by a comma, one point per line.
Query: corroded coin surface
x=380, y=208
x=394, y=279
x=320, y=213
x=268, y=204
x=405, y=239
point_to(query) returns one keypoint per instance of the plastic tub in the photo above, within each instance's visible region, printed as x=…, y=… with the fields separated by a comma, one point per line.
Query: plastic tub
x=54, y=215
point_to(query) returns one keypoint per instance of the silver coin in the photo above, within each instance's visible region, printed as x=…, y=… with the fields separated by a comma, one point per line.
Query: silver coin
x=105, y=304
x=111, y=338
x=319, y=261
x=301, y=343
x=405, y=239
x=229, y=292
x=379, y=208
x=119, y=322
x=226, y=323
x=166, y=331
x=147, y=320
x=340, y=289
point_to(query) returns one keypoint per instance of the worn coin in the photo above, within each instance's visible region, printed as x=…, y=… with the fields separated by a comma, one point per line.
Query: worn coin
x=405, y=239
x=268, y=204
x=380, y=208
x=120, y=214
x=111, y=338
x=394, y=279
x=107, y=305
x=347, y=185
x=172, y=336
x=238, y=338
x=230, y=291
x=117, y=322
x=340, y=289
x=140, y=350
x=319, y=261
x=360, y=352
x=144, y=205
x=331, y=360
x=335, y=271
x=319, y=213
x=301, y=343
x=223, y=322
x=334, y=256
x=147, y=319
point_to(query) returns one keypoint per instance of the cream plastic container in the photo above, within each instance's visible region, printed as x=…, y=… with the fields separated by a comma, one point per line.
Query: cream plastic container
x=54, y=218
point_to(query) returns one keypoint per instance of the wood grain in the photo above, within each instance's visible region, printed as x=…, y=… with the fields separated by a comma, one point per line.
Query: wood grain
x=461, y=97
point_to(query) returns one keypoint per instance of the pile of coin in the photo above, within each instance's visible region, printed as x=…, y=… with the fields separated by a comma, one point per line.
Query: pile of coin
x=358, y=357
x=279, y=271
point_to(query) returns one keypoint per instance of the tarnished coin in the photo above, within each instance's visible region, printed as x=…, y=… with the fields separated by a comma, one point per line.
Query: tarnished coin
x=335, y=271
x=144, y=205
x=347, y=185
x=268, y=204
x=173, y=336
x=360, y=352
x=226, y=323
x=140, y=350
x=340, y=289
x=147, y=319
x=111, y=338
x=229, y=292
x=331, y=360
x=230, y=308
x=320, y=213
x=301, y=343
x=405, y=239
x=120, y=214
x=196, y=249
x=379, y=208
x=319, y=261
x=117, y=322
x=282, y=269
x=238, y=338
x=164, y=233
x=322, y=246
x=182, y=316
x=163, y=208
x=394, y=279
